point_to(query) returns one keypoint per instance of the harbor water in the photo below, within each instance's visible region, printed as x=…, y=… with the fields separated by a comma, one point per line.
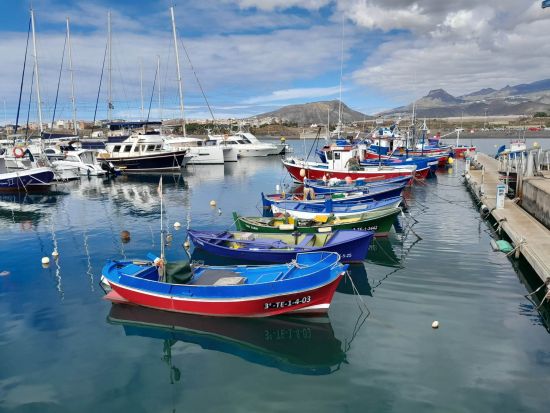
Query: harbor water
x=64, y=348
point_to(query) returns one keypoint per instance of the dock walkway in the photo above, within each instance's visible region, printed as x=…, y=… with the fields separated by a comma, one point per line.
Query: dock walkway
x=530, y=235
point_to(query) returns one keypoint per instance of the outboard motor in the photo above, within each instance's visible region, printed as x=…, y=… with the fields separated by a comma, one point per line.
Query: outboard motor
x=108, y=167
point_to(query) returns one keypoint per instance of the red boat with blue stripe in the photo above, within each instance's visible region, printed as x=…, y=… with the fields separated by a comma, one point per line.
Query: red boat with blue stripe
x=304, y=285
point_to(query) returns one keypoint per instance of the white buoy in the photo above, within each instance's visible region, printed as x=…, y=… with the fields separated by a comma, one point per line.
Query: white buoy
x=169, y=238
x=186, y=244
x=302, y=173
x=435, y=324
x=177, y=225
x=212, y=203
x=45, y=260
x=55, y=254
x=157, y=262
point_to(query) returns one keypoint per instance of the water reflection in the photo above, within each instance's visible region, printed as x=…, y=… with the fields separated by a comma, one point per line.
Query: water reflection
x=357, y=278
x=381, y=252
x=290, y=344
x=27, y=208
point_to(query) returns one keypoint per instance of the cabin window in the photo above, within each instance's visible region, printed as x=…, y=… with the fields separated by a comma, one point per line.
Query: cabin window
x=136, y=148
x=336, y=155
x=158, y=147
x=242, y=142
x=329, y=155
x=150, y=147
x=116, y=148
x=245, y=140
x=127, y=148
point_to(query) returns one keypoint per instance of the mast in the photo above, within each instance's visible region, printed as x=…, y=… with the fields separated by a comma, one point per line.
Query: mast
x=73, y=101
x=161, y=231
x=180, y=87
x=37, y=77
x=110, y=67
x=141, y=85
x=341, y=72
x=160, y=104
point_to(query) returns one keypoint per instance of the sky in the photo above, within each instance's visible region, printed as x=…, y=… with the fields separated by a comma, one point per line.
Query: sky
x=253, y=56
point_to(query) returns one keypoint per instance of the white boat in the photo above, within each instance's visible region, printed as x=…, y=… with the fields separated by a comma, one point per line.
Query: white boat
x=204, y=151
x=84, y=160
x=245, y=147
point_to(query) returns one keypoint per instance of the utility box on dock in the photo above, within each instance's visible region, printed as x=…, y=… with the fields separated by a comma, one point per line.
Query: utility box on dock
x=501, y=193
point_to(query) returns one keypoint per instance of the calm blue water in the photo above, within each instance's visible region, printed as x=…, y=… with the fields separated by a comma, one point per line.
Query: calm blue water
x=63, y=348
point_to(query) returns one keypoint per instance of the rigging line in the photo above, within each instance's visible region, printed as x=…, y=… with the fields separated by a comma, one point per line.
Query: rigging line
x=197, y=79
x=22, y=81
x=29, y=107
x=99, y=89
x=152, y=94
x=59, y=80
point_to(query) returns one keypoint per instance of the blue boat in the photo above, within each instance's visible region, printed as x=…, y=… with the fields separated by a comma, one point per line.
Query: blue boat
x=29, y=180
x=304, y=210
x=305, y=285
x=335, y=185
x=376, y=193
x=545, y=4
x=351, y=245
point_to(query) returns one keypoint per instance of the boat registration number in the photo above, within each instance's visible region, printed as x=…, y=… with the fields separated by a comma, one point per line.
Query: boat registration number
x=288, y=303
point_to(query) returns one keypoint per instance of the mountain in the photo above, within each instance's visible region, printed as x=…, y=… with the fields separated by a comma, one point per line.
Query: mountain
x=510, y=100
x=315, y=112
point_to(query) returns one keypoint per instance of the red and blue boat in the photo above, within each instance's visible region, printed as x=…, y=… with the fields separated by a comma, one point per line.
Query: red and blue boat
x=351, y=245
x=305, y=285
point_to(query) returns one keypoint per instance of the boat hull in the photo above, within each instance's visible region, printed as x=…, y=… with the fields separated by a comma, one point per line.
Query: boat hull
x=171, y=161
x=314, y=172
x=352, y=250
x=308, y=301
x=380, y=223
x=37, y=179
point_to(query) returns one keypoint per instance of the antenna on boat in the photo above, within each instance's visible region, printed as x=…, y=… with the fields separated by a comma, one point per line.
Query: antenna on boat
x=180, y=86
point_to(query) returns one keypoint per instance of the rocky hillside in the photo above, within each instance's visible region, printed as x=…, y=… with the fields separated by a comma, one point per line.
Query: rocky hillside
x=316, y=112
x=510, y=100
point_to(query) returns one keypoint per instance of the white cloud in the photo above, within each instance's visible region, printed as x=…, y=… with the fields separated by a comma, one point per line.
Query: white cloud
x=298, y=93
x=282, y=4
x=465, y=47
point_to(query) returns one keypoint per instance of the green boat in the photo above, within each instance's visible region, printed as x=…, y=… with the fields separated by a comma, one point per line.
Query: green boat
x=379, y=221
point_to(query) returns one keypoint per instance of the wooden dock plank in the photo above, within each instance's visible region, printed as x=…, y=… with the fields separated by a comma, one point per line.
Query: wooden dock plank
x=518, y=224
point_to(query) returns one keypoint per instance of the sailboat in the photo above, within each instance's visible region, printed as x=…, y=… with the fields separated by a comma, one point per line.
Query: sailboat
x=140, y=153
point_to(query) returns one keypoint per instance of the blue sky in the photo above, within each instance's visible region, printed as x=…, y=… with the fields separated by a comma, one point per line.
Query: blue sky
x=252, y=56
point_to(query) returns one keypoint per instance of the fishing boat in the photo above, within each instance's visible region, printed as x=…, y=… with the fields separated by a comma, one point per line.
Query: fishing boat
x=343, y=162
x=297, y=345
x=32, y=179
x=304, y=210
x=377, y=193
x=378, y=221
x=305, y=285
x=352, y=245
x=335, y=185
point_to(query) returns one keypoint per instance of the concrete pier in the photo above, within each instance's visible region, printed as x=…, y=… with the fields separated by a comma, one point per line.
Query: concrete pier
x=530, y=236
